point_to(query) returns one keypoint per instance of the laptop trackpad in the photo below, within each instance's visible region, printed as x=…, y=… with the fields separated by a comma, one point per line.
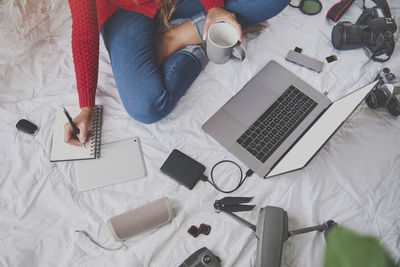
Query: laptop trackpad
x=251, y=101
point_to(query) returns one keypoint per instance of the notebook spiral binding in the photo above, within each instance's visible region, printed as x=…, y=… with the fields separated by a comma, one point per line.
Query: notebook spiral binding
x=97, y=125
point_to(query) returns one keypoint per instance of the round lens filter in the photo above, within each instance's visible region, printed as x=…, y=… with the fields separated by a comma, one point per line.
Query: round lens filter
x=310, y=7
x=194, y=231
x=205, y=229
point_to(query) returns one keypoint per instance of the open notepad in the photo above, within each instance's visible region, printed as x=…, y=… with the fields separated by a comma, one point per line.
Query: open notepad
x=119, y=162
x=60, y=151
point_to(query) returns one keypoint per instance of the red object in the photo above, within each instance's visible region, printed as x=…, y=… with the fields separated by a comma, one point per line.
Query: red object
x=204, y=229
x=194, y=231
x=87, y=18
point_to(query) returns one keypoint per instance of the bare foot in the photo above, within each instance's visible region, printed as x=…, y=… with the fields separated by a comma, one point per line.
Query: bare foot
x=177, y=38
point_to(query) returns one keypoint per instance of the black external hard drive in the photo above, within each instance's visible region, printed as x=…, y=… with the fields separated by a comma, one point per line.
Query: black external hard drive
x=183, y=169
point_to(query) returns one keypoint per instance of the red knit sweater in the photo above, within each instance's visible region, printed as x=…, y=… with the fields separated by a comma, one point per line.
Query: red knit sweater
x=87, y=18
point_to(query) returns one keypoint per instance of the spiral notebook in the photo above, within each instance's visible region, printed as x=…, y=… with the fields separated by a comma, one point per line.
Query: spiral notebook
x=120, y=161
x=60, y=151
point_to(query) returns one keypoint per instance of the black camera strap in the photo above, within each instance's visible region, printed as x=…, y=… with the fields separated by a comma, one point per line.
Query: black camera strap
x=382, y=4
x=338, y=9
x=389, y=48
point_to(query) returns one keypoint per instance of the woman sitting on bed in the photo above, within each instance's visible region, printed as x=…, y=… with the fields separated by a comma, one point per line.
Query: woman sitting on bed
x=152, y=68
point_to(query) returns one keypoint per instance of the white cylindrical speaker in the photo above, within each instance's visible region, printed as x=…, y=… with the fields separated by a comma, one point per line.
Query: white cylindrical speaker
x=141, y=219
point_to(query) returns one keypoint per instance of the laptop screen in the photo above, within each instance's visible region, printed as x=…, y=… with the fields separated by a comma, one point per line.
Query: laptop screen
x=319, y=133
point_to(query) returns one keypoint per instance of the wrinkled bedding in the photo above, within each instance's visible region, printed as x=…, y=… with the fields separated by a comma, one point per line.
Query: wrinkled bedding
x=354, y=179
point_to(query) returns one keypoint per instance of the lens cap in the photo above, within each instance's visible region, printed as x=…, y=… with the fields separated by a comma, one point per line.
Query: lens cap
x=295, y=3
x=310, y=7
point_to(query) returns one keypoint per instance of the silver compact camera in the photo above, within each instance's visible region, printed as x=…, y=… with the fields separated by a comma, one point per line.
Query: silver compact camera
x=386, y=93
x=202, y=258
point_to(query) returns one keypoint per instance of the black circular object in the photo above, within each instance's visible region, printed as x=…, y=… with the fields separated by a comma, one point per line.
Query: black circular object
x=194, y=231
x=205, y=229
x=338, y=36
x=377, y=98
x=394, y=106
x=207, y=259
x=371, y=100
x=347, y=36
x=310, y=7
x=240, y=181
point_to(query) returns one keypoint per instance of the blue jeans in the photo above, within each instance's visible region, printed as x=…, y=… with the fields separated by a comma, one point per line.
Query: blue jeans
x=149, y=92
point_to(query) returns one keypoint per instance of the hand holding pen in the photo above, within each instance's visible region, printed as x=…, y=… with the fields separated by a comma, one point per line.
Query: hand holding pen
x=75, y=131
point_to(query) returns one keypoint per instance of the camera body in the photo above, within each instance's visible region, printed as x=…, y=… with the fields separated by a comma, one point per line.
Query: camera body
x=386, y=93
x=202, y=258
x=372, y=30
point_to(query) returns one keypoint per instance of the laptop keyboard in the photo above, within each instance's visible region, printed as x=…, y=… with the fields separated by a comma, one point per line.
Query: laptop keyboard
x=265, y=135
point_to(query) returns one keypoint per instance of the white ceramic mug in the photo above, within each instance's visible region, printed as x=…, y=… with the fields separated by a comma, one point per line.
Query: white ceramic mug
x=222, y=43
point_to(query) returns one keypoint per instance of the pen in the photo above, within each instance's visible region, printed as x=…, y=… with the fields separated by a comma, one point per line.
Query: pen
x=74, y=127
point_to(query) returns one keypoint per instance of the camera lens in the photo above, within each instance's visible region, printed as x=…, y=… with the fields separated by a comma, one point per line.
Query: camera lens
x=346, y=36
x=377, y=97
x=394, y=106
x=338, y=37
x=371, y=100
x=207, y=259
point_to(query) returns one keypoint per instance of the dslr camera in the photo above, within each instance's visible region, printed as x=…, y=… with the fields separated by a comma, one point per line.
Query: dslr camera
x=386, y=92
x=372, y=30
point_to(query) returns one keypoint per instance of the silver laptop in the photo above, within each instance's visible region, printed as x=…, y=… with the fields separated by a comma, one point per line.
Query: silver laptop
x=277, y=122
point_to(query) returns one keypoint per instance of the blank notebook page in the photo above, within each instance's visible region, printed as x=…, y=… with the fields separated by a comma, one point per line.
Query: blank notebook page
x=118, y=162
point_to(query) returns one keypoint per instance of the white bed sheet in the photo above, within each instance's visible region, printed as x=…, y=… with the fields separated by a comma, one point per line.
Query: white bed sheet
x=354, y=179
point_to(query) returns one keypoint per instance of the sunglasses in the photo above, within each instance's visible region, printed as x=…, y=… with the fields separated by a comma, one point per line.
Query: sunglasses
x=309, y=7
x=204, y=229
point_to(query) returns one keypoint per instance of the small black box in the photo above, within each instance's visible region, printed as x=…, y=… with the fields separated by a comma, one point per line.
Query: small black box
x=183, y=169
